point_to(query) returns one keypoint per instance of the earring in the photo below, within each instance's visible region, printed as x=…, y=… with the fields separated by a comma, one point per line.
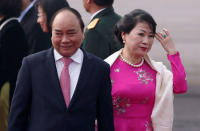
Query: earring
x=122, y=36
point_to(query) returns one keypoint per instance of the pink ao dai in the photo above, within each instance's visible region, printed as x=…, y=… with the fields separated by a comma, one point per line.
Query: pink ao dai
x=133, y=93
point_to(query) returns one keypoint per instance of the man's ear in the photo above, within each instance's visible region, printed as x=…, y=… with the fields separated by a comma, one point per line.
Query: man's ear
x=123, y=35
x=83, y=35
x=89, y=1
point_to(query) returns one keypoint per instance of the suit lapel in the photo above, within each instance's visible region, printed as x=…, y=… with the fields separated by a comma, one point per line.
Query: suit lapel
x=82, y=81
x=27, y=16
x=51, y=68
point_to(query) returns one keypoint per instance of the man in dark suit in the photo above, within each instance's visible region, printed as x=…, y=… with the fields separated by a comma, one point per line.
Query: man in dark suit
x=39, y=102
x=99, y=38
x=37, y=39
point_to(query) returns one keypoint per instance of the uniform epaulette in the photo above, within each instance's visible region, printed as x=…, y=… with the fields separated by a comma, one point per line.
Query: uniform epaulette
x=93, y=23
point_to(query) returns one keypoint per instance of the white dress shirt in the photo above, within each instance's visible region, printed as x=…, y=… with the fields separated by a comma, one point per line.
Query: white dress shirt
x=94, y=14
x=74, y=68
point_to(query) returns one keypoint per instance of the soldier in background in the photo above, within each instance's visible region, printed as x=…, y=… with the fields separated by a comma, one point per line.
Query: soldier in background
x=99, y=38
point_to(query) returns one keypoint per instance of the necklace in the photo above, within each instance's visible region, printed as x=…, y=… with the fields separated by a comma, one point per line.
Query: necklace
x=129, y=63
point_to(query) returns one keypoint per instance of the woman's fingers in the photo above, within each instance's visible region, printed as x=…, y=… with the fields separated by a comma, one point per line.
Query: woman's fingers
x=166, y=31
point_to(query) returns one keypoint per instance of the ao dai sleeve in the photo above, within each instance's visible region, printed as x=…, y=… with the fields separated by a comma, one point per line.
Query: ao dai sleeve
x=179, y=75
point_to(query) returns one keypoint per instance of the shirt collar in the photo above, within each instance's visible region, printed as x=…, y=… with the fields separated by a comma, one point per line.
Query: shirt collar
x=93, y=15
x=76, y=57
x=23, y=13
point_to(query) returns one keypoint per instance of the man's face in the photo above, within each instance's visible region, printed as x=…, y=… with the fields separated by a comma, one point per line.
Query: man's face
x=67, y=35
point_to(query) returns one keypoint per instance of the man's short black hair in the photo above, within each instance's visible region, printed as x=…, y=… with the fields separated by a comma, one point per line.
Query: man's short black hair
x=104, y=2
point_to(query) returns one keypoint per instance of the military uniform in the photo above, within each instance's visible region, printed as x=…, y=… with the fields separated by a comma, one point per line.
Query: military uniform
x=99, y=37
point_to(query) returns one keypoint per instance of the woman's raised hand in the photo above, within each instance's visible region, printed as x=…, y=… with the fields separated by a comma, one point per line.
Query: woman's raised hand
x=166, y=41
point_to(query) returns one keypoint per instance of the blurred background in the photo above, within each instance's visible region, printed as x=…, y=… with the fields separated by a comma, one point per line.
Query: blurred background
x=182, y=19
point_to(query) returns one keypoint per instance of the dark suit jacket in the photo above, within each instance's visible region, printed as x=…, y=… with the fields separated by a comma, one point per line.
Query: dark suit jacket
x=37, y=39
x=100, y=39
x=13, y=47
x=38, y=103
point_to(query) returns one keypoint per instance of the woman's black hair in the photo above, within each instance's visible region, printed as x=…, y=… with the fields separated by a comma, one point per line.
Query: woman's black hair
x=130, y=20
x=50, y=7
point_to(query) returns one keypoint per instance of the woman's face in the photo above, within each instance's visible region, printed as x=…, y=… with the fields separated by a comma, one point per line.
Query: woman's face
x=42, y=19
x=139, y=41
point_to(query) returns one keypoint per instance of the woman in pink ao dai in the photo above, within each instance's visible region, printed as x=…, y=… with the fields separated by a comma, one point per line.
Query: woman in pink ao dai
x=142, y=89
